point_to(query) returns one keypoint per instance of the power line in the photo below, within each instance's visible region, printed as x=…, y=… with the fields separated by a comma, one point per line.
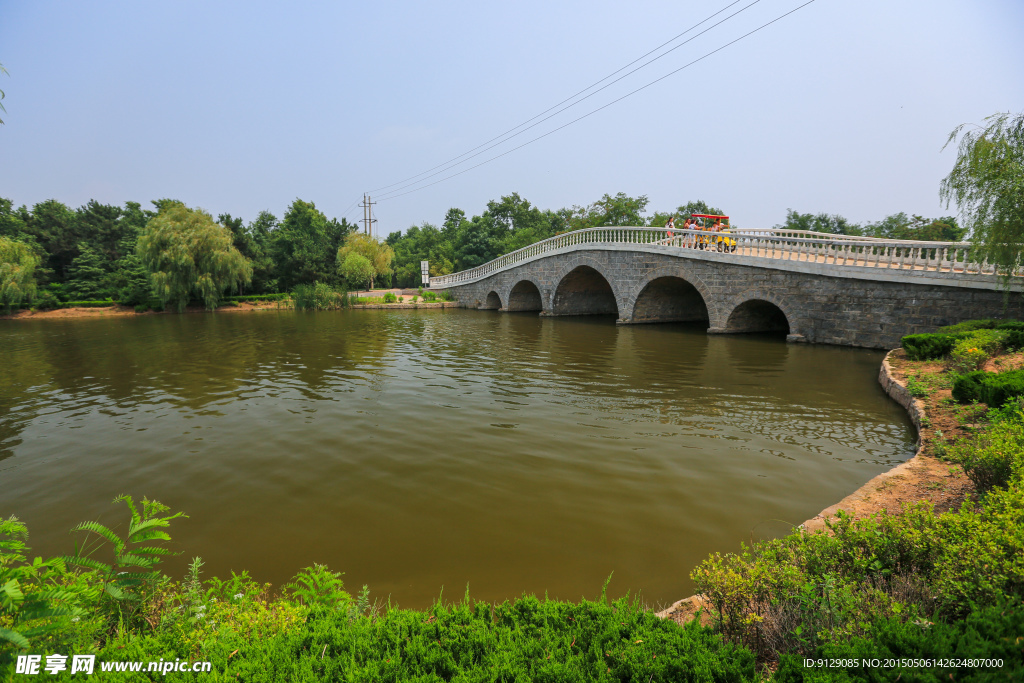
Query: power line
x=605, y=106
x=448, y=165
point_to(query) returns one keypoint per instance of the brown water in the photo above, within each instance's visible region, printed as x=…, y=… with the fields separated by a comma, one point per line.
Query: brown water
x=420, y=449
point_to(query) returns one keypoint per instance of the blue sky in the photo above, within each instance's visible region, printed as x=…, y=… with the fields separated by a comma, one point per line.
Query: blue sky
x=841, y=107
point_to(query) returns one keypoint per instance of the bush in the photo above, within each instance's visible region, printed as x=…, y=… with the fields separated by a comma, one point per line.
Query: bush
x=971, y=351
x=999, y=388
x=967, y=387
x=1014, y=339
x=46, y=301
x=928, y=346
x=142, y=308
x=430, y=296
x=992, y=458
x=257, y=297
x=89, y=304
x=447, y=295
x=991, y=633
x=390, y=298
x=969, y=326
x=318, y=297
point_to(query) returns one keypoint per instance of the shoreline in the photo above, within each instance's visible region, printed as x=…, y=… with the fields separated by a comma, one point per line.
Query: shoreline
x=920, y=478
x=243, y=307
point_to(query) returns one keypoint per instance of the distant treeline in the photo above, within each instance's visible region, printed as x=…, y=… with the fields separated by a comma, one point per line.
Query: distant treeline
x=91, y=253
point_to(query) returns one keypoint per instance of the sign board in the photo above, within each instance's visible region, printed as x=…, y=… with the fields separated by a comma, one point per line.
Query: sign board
x=425, y=273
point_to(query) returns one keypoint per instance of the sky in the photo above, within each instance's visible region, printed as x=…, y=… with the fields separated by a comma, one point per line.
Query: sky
x=841, y=107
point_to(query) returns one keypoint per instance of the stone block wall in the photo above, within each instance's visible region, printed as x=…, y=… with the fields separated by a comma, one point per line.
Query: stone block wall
x=849, y=307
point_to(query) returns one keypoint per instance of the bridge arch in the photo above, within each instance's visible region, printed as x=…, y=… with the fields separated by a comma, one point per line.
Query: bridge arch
x=758, y=311
x=669, y=294
x=582, y=288
x=492, y=302
x=524, y=295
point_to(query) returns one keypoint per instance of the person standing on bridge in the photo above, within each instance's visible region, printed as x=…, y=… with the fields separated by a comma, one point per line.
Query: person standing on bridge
x=670, y=226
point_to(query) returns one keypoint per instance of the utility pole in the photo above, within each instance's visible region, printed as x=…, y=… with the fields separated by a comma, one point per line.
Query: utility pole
x=368, y=219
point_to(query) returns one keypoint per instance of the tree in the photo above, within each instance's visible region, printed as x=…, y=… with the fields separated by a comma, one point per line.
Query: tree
x=17, y=273
x=378, y=254
x=131, y=281
x=305, y=246
x=608, y=210
x=987, y=184
x=832, y=224
x=190, y=255
x=357, y=269
x=88, y=279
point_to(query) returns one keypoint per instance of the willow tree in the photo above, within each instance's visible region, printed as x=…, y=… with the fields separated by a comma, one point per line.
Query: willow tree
x=189, y=256
x=987, y=184
x=379, y=254
x=18, y=264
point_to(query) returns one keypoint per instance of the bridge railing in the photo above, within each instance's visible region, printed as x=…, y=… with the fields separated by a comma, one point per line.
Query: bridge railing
x=788, y=245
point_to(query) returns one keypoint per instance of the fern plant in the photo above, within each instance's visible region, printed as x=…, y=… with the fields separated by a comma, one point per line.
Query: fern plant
x=318, y=585
x=32, y=595
x=134, y=568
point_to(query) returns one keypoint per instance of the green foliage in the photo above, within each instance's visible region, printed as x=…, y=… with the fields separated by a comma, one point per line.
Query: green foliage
x=992, y=388
x=995, y=456
x=379, y=255
x=304, y=248
x=190, y=256
x=17, y=273
x=990, y=633
x=318, y=586
x=916, y=388
x=446, y=295
x=987, y=184
x=969, y=326
x=318, y=297
x=972, y=350
x=390, y=297
x=131, y=577
x=33, y=597
x=131, y=281
x=967, y=387
x=357, y=270
x=252, y=298
x=928, y=346
x=88, y=278
x=430, y=296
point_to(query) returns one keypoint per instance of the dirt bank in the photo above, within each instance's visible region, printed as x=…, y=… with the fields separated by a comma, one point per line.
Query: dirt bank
x=115, y=310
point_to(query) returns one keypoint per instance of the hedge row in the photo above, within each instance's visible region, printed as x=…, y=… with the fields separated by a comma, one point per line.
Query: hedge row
x=940, y=344
x=258, y=297
x=991, y=388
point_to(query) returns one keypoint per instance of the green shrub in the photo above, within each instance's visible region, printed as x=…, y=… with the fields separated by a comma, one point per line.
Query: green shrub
x=1014, y=339
x=46, y=300
x=430, y=296
x=447, y=295
x=89, y=304
x=318, y=297
x=390, y=298
x=975, y=348
x=991, y=458
x=142, y=308
x=991, y=633
x=928, y=346
x=1011, y=325
x=969, y=326
x=967, y=387
x=258, y=297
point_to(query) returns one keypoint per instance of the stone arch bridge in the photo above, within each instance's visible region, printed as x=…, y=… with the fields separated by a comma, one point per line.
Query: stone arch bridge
x=810, y=286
